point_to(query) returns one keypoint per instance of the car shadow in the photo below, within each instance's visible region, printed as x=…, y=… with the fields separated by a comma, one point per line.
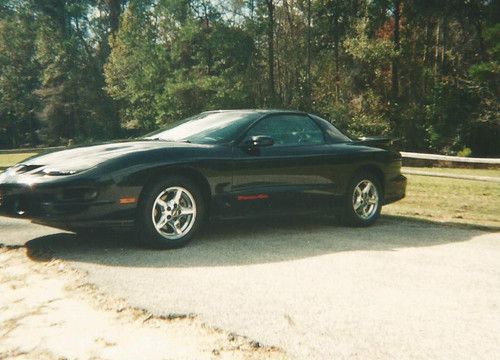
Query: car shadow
x=229, y=243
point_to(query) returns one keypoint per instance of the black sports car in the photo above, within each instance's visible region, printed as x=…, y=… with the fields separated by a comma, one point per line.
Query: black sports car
x=225, y=164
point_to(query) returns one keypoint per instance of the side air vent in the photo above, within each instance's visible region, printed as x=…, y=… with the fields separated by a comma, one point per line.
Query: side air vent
x=20, y=169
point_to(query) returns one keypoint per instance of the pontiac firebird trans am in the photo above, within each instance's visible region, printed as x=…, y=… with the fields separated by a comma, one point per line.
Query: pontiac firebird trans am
x=218, y=164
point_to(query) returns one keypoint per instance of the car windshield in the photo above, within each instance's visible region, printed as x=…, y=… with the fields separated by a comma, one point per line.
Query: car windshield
x=206, y=128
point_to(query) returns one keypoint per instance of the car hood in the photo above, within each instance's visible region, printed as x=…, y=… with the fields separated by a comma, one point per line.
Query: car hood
x=85, y=157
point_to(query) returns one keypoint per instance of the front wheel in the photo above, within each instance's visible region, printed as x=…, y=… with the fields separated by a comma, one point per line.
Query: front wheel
x=363, y=201
x=170, y=213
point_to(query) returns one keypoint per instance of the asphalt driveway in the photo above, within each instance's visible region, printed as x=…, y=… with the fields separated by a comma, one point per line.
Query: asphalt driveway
x=400, y=289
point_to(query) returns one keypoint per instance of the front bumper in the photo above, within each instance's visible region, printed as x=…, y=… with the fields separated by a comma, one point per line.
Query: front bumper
x=67, y=205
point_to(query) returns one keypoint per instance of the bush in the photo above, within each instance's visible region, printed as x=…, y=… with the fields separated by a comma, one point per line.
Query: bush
x=465, y=152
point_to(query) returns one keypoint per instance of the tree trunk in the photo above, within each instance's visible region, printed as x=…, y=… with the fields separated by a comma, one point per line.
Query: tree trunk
x=32, y=129
x=206, y=23
x=479, y=31
x=336, y=42
x=436, y=48
x=270, y=51
x=114, y=15
x=251, y=5
x=395, y=64
x=308, y=70
x=475, y=12
x=443, y=45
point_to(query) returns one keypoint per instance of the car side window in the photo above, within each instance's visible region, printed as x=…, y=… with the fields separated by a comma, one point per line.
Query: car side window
x=289, y=129
x=334, y=133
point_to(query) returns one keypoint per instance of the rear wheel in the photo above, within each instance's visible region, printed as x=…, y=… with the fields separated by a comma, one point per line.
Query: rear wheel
x=170, y=213
x=363, y=200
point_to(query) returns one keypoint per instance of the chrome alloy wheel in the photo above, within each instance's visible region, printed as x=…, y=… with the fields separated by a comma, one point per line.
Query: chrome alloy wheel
x=365, y=199
x=174, y=212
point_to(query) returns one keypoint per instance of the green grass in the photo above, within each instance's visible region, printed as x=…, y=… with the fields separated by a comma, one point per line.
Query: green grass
x=451, y=200
x=7, y=160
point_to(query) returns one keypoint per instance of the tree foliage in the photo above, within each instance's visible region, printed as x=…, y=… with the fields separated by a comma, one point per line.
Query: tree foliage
x=423, y=71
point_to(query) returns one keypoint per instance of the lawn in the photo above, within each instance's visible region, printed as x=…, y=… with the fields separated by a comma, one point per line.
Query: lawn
x=451, y=200
x=7, y=160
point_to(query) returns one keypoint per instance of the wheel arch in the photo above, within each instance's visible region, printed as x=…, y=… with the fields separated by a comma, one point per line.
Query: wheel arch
x=156, y=174
x=374, y=170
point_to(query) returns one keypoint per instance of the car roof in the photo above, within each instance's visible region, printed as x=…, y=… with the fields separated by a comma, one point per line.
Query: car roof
x=258, y=111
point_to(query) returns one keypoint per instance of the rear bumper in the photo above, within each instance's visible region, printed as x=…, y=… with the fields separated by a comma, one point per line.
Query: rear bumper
x=395, y=189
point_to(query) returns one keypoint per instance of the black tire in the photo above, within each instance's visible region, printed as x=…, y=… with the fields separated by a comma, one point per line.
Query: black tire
x=348, y=215
x=147, y=232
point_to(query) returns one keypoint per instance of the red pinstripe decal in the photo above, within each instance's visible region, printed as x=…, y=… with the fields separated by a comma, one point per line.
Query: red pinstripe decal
x=252, y=197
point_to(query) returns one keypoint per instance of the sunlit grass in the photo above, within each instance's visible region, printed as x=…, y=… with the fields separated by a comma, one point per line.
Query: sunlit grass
x=7, y=160
x=451, y=200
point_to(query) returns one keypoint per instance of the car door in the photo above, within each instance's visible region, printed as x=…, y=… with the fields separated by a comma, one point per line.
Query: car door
x=291, y=175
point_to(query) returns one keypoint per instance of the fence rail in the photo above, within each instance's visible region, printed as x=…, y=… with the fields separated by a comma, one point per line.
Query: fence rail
x=447, y=158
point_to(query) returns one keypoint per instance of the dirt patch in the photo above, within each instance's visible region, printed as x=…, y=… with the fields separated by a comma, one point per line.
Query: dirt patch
x=49, y=311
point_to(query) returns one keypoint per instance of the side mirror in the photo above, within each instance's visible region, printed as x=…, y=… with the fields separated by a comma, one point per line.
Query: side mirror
x=258, y=141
